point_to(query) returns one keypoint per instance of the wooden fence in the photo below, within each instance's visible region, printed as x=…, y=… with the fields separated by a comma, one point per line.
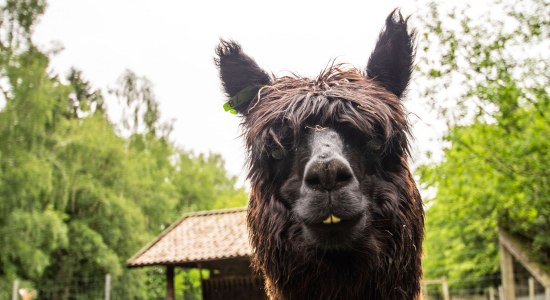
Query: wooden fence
x=510, y=249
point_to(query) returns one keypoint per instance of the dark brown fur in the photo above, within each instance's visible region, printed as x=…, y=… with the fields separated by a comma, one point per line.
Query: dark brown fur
x=383, y=263
x=341, y=96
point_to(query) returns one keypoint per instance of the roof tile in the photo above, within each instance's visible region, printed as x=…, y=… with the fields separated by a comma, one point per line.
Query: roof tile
x=196, y=237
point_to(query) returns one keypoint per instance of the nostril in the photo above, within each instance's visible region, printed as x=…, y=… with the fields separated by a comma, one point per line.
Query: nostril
x=327, y=175
x=312, y=179
x=343, y=175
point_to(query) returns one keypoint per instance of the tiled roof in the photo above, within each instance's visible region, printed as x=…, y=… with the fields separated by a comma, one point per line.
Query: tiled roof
x=198, y=237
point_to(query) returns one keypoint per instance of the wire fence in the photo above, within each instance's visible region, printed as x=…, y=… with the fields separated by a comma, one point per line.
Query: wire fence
x=526, y=288
x=101, y=289
x=487, y=287
x=96, y=288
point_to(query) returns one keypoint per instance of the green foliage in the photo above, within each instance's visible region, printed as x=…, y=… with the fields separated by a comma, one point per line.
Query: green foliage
x=27, y=244
x=188, y=281
x=205, y=171
x=77, y=199
x=490, y=82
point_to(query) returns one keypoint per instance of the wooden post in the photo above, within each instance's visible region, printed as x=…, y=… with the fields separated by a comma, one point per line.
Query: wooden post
x=445, y=287
x=170, y=295
x=507, y=269
x=501, y=293
x=531, y=283
x=15, y=290
x=491, y=293
x=547, y=293
x=518, y=251
x=107, y=286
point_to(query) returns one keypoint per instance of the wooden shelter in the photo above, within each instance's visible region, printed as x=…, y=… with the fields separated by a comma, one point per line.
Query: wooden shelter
x=213, y=240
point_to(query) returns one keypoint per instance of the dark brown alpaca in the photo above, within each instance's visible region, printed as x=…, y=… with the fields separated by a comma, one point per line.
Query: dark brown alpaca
x=334, y=211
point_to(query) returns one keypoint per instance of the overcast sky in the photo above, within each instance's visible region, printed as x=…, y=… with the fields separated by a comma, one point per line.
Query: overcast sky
x=172, y=43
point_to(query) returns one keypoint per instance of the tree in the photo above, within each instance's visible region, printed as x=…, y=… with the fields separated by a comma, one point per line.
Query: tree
x=77, y=198
x=487, y=75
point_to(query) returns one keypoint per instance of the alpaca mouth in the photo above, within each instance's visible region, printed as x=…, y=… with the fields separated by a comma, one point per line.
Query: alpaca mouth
x=334, y=228
x=332, y=219
x=334, y=232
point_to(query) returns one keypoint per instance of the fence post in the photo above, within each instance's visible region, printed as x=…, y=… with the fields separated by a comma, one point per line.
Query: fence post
x=531, y=283
x=445, y=287
x=491, y=293
x=547, y=293
x=107, y=286
x=15, y=289
x=507, y=269
x=500, y=293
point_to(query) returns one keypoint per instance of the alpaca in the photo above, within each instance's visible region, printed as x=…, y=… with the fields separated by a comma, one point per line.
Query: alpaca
x=334, y=212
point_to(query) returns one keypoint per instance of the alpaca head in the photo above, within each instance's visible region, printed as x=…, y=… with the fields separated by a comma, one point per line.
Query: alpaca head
x=332, y=196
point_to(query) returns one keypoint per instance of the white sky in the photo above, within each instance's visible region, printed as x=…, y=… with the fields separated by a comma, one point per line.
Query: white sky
x=172, y=43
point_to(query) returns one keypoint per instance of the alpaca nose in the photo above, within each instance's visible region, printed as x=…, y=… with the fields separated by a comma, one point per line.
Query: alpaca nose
x=328, y=174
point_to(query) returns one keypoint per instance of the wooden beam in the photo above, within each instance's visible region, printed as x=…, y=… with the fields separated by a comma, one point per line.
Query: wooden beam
x=507, y=269
x=521, y=254
x=170, y=294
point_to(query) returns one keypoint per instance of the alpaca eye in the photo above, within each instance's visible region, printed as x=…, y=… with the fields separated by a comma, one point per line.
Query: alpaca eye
x=278, y=153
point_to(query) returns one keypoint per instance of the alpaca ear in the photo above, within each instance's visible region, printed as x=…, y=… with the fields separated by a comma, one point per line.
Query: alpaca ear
x=241, y=76
x=390, y=64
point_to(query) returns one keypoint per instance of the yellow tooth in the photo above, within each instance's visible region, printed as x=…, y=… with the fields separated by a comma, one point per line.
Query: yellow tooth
x=332, y=219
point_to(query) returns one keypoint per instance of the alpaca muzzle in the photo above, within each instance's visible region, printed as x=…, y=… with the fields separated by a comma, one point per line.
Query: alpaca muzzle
x=327, y=168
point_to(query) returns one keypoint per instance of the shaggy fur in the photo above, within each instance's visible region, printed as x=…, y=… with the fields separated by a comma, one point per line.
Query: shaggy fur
x=384, y=262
